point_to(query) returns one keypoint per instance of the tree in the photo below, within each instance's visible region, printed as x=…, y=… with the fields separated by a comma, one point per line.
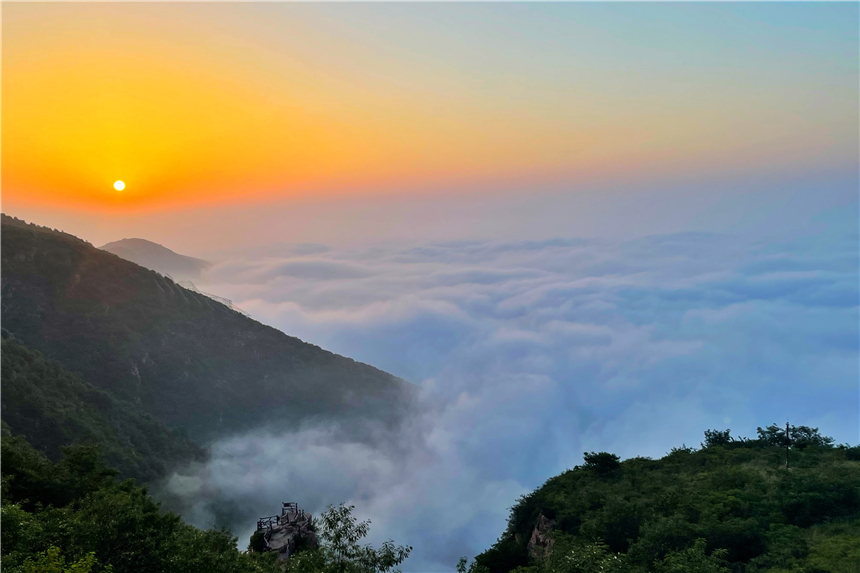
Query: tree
x=341, y=550
x=257, y=543
x=51, y=561
x=694, y=559
x=572, y=556
x=717, y=438
x=341, y=532
x=463, y=566
x=603, y=463
x=800, y=436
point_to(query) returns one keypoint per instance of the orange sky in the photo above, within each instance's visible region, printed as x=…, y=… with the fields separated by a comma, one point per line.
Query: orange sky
x=212, y=103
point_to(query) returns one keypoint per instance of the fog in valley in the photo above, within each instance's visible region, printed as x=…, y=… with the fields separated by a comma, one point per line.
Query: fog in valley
x=527, y=354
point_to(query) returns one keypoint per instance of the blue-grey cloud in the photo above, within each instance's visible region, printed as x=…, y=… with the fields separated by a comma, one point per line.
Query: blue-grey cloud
x=530, y=353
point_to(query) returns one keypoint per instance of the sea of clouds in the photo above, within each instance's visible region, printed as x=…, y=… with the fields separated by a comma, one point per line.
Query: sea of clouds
x=528, y=354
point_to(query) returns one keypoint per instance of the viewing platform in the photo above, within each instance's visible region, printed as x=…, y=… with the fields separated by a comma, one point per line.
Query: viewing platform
x=285, y=532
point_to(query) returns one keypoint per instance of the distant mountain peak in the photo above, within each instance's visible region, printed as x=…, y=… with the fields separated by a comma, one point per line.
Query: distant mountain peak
x=157, y=258
x=136, y=242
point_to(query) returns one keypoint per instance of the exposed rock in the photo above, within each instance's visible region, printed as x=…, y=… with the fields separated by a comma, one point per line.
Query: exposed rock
x=540, y=544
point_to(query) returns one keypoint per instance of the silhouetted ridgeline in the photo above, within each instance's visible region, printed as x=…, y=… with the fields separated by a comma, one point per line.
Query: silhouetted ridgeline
x=158, y=258
x=175, y=354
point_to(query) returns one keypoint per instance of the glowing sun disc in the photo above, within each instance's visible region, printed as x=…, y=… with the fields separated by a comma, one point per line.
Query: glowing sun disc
x=119, y=185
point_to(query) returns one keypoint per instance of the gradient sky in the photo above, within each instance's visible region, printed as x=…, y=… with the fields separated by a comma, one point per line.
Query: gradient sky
x=576, y=226
x=195, y=105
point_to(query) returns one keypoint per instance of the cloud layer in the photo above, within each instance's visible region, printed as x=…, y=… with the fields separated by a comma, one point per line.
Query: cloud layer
x=529, y=353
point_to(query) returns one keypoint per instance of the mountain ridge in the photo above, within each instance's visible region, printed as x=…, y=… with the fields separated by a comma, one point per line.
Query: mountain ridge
x=189, y=361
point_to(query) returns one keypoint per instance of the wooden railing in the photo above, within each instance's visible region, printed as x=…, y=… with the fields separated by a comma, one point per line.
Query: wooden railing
x=268, y=522
x=289, y=509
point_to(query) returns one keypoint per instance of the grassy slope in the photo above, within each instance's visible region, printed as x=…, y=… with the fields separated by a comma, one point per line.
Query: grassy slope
x=175, y=354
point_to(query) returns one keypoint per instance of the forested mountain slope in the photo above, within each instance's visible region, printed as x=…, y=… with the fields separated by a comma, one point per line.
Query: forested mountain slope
x=52, y=408
x=175, y=354
x=730, y=506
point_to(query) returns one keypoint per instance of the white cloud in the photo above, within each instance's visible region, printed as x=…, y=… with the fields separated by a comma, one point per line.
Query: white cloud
x=529, y=353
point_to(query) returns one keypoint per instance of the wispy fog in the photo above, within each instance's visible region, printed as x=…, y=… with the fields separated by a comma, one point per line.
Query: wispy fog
x=529, y=353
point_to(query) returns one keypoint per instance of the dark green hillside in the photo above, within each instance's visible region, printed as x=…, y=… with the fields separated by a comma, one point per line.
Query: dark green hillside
x=74, y=516
x=52, y=408
x=730, y=506
x=177, y=355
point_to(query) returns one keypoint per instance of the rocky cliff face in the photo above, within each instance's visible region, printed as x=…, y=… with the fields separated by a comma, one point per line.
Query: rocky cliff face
x=540, y=543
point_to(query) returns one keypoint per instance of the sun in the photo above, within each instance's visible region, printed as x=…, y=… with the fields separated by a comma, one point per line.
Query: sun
x=119, y=185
